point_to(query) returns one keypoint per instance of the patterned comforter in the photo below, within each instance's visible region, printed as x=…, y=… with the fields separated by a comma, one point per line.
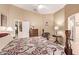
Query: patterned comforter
x=32, y=46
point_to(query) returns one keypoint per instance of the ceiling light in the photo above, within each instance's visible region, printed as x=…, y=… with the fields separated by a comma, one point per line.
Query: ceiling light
x=41, y=6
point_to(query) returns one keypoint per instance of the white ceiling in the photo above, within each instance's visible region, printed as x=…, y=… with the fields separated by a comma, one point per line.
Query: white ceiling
x=49, y=8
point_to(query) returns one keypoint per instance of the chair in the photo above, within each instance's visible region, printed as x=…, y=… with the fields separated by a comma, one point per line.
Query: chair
x=46, y=35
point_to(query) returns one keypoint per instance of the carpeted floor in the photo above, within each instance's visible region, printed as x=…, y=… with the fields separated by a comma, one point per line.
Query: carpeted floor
x=32, y=46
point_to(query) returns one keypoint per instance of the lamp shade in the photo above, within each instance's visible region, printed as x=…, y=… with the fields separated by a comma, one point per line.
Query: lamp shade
x=41, y=6
x=9, y=29
x=56, y=27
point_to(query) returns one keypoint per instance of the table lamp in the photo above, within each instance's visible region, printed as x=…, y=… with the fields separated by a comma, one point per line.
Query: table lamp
x=56, y=29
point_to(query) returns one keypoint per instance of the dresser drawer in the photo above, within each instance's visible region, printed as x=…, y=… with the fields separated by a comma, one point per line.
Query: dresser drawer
x=33, y=32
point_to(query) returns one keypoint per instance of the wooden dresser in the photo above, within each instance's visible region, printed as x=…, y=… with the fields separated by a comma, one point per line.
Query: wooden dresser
x=33, y=32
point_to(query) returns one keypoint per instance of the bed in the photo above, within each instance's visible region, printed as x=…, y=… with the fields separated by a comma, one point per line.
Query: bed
x=32, y=46
x=5, y=38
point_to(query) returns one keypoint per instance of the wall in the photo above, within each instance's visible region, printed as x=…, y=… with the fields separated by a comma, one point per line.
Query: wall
x=61, y=17
x=59, y=20
x=69, y=10
x=14, y=13
x=50, y=19
x=72, y=9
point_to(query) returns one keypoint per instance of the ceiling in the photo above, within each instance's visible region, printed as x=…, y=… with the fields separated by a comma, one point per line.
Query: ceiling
x=47, y=9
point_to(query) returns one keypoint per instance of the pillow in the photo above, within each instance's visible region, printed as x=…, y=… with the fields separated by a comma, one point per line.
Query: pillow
x=3, y=34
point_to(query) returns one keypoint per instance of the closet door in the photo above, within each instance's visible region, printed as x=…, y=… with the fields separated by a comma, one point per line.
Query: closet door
x=23, y=29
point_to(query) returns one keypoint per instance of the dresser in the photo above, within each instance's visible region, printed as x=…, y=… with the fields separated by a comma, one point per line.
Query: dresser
x=33, y=32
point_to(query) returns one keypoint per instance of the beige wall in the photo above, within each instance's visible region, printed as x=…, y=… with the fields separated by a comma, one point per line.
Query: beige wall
x=63, y=15
x=50, y=19
x=14, y=13
x=20, y=14
x=69, y=10
x=59, y=20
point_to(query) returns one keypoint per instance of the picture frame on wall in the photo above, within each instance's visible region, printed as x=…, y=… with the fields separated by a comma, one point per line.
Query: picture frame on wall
x=3, y=20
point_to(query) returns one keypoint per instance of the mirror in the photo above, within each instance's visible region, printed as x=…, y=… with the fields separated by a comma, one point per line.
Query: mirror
x=71, y=26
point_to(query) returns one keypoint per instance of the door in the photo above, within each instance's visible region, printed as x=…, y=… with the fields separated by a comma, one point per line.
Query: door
x=25, y=26
x=24, y=33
